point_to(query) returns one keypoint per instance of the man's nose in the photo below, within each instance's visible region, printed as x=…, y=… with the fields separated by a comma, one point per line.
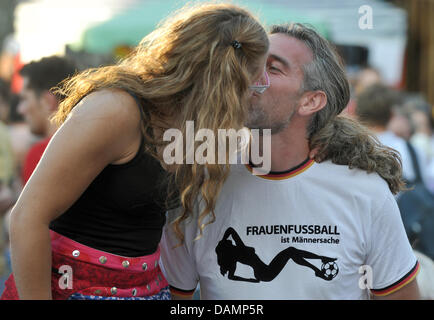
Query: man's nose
x=264, y=80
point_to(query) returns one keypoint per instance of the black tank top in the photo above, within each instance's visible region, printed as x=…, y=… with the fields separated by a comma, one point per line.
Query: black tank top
x=122, y=211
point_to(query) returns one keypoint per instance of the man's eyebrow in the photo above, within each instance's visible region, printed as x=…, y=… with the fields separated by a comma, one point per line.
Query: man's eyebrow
x=280, y=59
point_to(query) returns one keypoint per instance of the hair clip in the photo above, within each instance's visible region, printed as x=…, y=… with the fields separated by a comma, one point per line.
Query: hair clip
x=236, y=44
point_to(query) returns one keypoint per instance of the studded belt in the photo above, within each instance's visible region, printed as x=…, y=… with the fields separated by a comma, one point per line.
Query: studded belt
x=101, y=273
x=68, y=247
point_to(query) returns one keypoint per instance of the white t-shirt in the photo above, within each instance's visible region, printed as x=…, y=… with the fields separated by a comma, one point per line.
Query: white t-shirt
x=309, y=233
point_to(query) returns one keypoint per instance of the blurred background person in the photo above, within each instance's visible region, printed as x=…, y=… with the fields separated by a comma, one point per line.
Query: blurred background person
x=365, y=78
x=360, y=79
x=400, y=123
x=6, y=153
x=376, y=108
x=20, y=135
x=7, y=173
x=382, y=109
x=419, y=113
x=5, y=96
x=38, y=103
x=411, y=120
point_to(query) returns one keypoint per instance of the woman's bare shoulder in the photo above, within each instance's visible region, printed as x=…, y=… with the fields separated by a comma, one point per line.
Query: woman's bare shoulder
x=108, y=117
x=113, y=105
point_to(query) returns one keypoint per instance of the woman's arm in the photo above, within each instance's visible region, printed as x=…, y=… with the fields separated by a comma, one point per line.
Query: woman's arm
x=104, y=128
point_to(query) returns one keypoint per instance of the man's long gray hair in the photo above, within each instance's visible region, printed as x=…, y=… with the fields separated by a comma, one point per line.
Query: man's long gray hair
x=338, y=138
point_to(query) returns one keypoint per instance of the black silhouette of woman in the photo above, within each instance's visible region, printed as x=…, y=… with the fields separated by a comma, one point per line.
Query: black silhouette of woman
x=229, y=254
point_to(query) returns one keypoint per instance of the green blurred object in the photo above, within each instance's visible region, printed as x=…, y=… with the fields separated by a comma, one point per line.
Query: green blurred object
x=130, y=26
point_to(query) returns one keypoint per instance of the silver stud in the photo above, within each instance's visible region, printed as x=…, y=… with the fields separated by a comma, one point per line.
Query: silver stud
x=148, y=287
x=76, y=253
x=102, y=259
x=159, y=277
x=145, y=266
x=114, y=290
x=125, y=264
x=157, y=283
x=134, y=292
x=156, y=263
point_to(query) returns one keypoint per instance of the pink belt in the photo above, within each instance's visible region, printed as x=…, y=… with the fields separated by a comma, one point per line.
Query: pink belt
x=98, y=273
x=101, y=273
x=70, y=248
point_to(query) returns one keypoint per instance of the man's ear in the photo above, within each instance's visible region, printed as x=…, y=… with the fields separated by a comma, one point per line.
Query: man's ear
x=49, y=101
x=312, y=102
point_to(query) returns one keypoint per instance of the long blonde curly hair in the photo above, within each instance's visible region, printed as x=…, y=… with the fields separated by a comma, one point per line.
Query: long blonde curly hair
x=186, y=70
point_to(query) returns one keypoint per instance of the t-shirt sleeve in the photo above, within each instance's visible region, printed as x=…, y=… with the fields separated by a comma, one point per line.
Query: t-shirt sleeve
x=178, y=264
x=390, y=255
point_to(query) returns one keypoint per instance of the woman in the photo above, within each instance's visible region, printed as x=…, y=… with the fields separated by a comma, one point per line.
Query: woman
x=89, y=221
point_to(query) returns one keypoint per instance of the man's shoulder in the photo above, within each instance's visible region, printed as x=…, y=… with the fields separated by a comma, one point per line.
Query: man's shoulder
x=345, y=170
x=351, y=178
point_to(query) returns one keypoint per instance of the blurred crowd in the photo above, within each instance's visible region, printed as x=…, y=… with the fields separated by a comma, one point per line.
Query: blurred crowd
x=25, y=130
x=402, y=121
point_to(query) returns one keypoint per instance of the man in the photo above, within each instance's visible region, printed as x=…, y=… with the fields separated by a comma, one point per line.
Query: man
x=306, y=230
x=38, y=103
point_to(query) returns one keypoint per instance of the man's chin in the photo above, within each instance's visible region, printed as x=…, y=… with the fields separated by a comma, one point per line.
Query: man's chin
x=259, y=128
x=257, y=123
x=253, y=125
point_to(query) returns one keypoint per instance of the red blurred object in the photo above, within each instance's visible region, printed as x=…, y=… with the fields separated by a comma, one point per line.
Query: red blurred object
x=17, y=80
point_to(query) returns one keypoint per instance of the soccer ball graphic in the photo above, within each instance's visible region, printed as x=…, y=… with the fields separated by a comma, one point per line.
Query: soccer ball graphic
x=330, y=269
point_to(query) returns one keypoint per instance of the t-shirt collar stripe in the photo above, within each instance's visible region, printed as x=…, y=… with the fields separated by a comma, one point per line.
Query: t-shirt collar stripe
x=306, y=164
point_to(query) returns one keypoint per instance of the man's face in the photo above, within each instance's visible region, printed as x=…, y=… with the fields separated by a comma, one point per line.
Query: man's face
x=275, y=107
x=33, y=108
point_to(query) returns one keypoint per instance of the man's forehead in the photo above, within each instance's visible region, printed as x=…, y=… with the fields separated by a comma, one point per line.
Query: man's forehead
x=290, y=49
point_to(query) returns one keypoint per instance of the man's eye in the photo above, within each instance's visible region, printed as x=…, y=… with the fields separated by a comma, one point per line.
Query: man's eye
x=273, y=68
